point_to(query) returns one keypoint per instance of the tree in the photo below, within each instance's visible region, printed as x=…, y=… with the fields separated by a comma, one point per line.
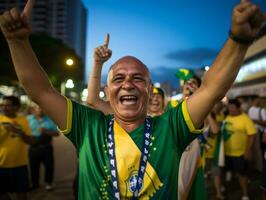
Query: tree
x=52, y=54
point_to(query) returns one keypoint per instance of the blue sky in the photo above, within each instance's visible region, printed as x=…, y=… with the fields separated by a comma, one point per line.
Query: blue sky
x=164, y=34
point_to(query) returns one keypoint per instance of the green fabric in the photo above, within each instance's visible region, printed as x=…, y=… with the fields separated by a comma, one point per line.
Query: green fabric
x=184, y=74
x=217, y=150
x=198, y=190
x=170, y=136
x=170, y=106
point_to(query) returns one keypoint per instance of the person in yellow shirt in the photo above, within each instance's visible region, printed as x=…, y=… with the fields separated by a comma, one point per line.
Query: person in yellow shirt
x=14, y=136
x=239, y=142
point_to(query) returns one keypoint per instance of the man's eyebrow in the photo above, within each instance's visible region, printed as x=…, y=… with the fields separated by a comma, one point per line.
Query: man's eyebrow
x=118, y=74
x=139, y=74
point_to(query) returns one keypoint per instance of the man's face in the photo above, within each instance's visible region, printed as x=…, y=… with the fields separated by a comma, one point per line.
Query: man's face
x=190, y=87
x=37, y=111
x=128, y=89
x=9, y=109
x=233, y=109
x=156, y=104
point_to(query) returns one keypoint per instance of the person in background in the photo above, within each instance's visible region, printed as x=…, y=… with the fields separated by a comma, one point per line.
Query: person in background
x=41, y=152
x=191, y=184
x=191, y=83
x=14, y=137
x=258, y=114
x=239, y=143
x=244, y=103
x=156, y=103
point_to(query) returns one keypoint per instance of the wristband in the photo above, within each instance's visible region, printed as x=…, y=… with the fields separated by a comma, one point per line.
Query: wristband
x=239, y=39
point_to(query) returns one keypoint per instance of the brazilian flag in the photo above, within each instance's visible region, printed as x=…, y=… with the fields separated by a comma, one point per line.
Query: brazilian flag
x=184, y=74
x=222, y=136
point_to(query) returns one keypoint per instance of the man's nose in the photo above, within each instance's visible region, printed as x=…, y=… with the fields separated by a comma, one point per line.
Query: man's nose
x=127, y=84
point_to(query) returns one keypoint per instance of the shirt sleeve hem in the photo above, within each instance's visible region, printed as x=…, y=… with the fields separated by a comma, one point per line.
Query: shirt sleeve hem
x=188, y=120
x=69, y=118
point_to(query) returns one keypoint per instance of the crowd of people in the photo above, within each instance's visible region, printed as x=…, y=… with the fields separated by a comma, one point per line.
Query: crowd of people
x=26, y=143
x=135, y=144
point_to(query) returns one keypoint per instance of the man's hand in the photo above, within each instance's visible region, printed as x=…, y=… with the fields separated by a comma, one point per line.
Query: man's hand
x=247, y=20
x=102, y=53
x=14, y=24
x=13, y=128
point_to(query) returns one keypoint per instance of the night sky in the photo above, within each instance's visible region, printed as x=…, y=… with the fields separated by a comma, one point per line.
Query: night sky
x=164, y=34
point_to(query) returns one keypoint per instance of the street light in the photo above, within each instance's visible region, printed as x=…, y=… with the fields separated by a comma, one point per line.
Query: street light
x=68, y=84
x=206, y=68
x=69, y=62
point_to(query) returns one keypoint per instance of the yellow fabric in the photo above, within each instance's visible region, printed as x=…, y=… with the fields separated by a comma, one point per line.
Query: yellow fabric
x=128, y=165
x=13, y=150
x=212, y=138
x=212, y=142
x=188, y=120
x=155, y=91
x=174, y=103
x=241, y=127
x=219, y=117
x=69, y=118
x=185, y=71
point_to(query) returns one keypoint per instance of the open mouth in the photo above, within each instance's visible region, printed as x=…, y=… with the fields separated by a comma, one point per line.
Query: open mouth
x=155, y=104
x=128, y=99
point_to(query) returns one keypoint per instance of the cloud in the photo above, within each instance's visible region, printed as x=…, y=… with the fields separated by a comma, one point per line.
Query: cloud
x=193, y=57
x=164, y=74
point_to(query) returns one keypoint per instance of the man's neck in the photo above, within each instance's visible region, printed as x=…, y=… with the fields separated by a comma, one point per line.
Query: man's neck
x=129, y=126
x=236, y=114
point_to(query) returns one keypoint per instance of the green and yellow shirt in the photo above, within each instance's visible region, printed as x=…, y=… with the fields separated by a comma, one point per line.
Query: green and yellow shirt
x=87, y=130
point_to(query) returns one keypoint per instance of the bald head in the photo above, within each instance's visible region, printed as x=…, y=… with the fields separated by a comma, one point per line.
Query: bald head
x=130, y=61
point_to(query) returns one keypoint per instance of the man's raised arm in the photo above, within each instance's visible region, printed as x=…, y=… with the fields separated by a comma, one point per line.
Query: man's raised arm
x=16, y=28
x=247, y=20
x=101, y=55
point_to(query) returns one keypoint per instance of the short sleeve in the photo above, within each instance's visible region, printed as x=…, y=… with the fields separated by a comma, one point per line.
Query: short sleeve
x=183, y=128
x=250, y=126
x=80, y=121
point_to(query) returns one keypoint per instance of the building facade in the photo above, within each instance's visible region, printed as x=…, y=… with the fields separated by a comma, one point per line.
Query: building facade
x=251, y=79
x=62, y=19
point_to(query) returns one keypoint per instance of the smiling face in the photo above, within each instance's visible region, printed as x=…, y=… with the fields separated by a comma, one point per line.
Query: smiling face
x=128, y=89
x=156, y=104
x=190, y=87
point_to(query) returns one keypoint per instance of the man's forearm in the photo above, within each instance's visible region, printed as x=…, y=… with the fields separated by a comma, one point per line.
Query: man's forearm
x=224, y=69
x=260, y=122
x=94, y=84
x=27, y=139
x=249, y=144
x=217, y=81
x=214, y=127
x=28, y=69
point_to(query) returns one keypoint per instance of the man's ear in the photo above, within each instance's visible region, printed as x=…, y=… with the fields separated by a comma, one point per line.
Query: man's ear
x=106, y=91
